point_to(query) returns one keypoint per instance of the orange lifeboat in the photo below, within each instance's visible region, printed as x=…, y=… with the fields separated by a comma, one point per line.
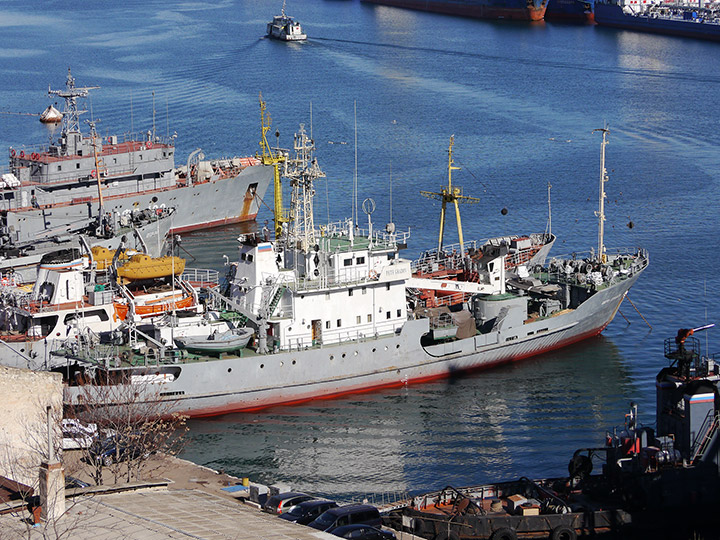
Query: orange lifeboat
x=143, y=266
x=156, y=306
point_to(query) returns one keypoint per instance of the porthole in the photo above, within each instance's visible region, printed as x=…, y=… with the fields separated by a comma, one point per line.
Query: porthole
x=397, y=346
x=332, y=357
x=343, y=355
x=282, y=364
x=262, y=366
x=373, y=349
x=229, y=369
x=294, y=362
x=355, y=353
x=386, y=347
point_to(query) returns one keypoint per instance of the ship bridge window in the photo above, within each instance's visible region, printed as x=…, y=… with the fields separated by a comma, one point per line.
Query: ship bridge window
x=77, y=165
x=347, y=262
x=59, y=167
x=339, y=323
x=350, y=292
x=360, y=260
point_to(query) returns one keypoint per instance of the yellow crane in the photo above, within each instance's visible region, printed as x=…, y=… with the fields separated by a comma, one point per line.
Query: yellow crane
x=453, y=195
x=275, y=159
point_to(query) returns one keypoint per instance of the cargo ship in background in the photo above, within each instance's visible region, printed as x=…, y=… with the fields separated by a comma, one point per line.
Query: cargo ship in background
x=683, y=20
x=526, y=10
x=581, y=11
x=48, y=188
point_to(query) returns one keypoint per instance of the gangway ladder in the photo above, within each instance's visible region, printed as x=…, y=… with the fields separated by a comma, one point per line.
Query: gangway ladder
x=274, y=294
x=705, y=436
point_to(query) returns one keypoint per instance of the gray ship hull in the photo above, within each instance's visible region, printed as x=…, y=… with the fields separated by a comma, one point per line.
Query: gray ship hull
x=213, y=203
x=258, y=381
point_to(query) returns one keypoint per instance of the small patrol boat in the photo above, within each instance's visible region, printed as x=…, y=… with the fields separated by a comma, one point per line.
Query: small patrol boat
x=285, y=28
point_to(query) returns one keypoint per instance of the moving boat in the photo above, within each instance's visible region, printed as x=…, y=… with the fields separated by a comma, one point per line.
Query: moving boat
x=330, y=310
x=52, y=186
x=527, y=10
x=649, y=482
x=685, y=20
x=285, y=28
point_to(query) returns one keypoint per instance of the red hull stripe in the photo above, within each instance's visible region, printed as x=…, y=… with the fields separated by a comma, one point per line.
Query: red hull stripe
x=216, y=223
x=230, y=408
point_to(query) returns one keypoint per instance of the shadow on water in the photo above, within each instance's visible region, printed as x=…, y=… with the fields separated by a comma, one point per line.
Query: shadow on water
x=523, y=418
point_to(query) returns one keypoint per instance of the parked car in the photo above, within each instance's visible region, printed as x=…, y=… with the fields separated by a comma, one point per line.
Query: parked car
x=282, y=502
x=77, y=435
x=351, y=514
x=307, y=511
x=363, y=532
x=72, y=482
x=113, y=448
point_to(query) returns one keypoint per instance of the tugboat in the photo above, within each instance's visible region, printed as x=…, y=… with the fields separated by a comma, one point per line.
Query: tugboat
x=664, y=480
x=285, y=28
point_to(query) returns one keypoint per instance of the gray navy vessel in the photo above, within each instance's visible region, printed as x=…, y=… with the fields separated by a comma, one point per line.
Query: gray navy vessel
x=48, y=188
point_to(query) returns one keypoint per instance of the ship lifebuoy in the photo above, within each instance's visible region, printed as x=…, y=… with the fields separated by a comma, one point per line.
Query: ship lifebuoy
x=149, y=145
x=34, y=156
x=373, y=274
x=12, y=153
x=22, y=154
x=93, y=173
x=4, y=282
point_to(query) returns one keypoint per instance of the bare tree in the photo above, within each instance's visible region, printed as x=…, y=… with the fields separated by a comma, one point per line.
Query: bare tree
x=132, y=422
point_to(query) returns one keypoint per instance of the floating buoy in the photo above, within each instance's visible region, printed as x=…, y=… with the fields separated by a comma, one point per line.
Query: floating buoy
x=504, y=211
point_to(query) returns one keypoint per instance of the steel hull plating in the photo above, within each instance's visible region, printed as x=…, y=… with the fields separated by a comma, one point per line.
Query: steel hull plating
x=480, y=9
x=214, y=203
x=256, y=382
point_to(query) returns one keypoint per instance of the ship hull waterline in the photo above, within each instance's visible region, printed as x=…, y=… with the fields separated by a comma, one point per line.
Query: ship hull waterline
x=250, y=383
x=234, y=200
x=475, y=10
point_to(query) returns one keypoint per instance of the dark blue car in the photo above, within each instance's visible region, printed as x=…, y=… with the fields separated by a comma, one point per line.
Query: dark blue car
x=353, y=514
x=307, y=511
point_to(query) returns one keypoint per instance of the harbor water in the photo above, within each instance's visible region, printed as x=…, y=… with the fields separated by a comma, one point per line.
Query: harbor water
x=382, y=90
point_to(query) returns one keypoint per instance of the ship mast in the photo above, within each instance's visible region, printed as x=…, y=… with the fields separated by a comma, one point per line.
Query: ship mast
x=601, y=210
x=302, y=171
x=453, y=195
x=71, y=114
x=93, y=134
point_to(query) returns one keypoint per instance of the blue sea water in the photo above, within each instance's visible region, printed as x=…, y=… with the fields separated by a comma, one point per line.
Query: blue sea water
x=522, y=101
